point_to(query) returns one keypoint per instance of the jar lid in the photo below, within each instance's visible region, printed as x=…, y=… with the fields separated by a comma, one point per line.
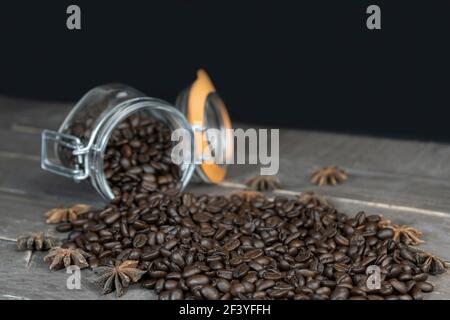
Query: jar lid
x=206, y=110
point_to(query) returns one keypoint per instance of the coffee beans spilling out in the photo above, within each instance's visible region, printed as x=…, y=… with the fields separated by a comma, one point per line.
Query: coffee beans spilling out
x=138, y=160
x=216, y=247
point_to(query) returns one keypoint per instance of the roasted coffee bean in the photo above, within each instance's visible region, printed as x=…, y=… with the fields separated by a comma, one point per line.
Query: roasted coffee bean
x=417, y=294
x=210, y=293
x=425, y=286
x=236, y=289
x=341, y=240
x=170, y=284
x=272, y=275
x=157, y=274
x=190, y=271
x=255, y=266
x=176, y=294
x=135, y=254
x=149, y=284
x=399, y=286
x=225, y=274
x=386, y=233
x=253, y=254
x=408, y=255
x=223, y=285
x=111, y=218
x=232, y=245
x=249, y=286
x=405, y=277
x=421, y=277
x=278, y=293
x=140, y=240
x=326, y=258
x=169, y=245
x=323, y=291
x=197, y=280
x=241, y=271
x=150, y=255
x=340, y=293
x=264, y=285
x=111, y=245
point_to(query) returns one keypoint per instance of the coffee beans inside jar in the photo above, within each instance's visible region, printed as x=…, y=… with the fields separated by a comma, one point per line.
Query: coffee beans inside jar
x=216, y=247
x=137, y=160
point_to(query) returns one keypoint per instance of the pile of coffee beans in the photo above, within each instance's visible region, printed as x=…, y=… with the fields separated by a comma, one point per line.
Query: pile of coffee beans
x=216, y=247
x=137, y=160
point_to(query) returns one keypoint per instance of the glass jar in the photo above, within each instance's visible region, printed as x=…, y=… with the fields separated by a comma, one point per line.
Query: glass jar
x=77, y=149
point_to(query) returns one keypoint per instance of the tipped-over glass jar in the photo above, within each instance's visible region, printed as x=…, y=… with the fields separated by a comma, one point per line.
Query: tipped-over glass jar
x=121, y=139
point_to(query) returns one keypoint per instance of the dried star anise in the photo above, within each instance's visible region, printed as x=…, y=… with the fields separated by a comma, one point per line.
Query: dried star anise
x=264, y=183
x=430, y=263
x=328, y=176
x=66, y=257
x=405, y=234
x=71, y=214
x=310, y=198
x=118, y=276
x=247, y=195
x=36, y=241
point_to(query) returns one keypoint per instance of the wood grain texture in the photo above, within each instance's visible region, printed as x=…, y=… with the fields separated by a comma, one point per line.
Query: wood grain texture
x=407, y=181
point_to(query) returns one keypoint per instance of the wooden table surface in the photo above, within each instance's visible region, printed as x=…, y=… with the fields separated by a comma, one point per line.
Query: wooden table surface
x=407, y=181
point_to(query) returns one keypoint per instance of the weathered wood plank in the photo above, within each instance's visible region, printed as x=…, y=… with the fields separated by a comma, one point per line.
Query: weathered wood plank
x=40, y=114
x=22, y=280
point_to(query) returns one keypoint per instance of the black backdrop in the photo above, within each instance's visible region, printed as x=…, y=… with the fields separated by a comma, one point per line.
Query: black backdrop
x=307, y=64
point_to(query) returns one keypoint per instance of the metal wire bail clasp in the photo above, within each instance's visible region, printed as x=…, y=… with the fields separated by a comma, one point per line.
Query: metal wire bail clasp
x=51, y=160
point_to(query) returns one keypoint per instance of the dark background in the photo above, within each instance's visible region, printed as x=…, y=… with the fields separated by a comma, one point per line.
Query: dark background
x=305, y=64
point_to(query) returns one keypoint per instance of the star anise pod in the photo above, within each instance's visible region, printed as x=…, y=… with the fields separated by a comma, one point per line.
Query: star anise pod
x=62, y=214
x=310, y=198
x=36, y=241
x=118, y=276
x=247, y=195
x=328, y=176
x=405, y=234
x=66, y=257
x=264, y=183
x=430, y=263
